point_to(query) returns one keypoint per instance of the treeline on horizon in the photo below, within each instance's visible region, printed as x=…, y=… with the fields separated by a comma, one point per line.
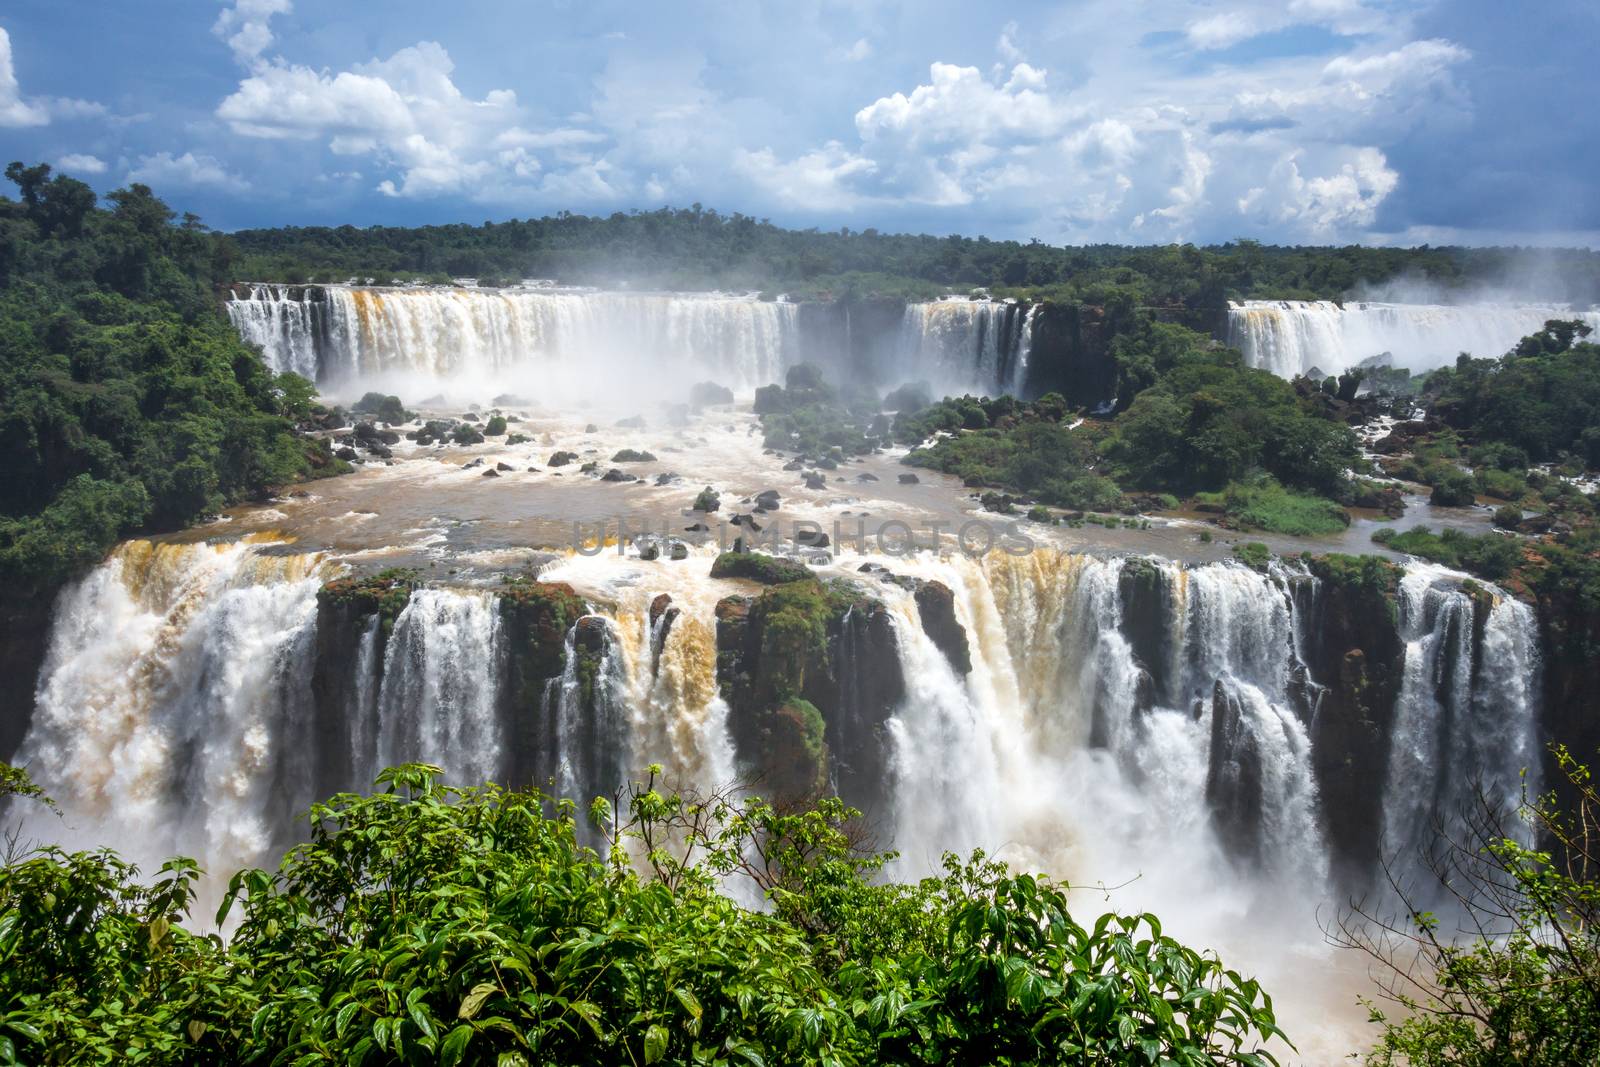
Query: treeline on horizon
x=698, y=248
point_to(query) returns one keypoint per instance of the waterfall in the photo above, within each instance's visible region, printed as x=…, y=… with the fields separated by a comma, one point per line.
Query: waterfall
x=958, y=345
x=1465, y=721
x=348, y=338
x=1290, y=337
x=439, y=699
x=339, y=335
x=173, y=703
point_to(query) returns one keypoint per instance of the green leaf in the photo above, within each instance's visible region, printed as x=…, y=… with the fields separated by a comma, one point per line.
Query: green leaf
x=655, y=1043
x=455, y=1045
x=473, y=1001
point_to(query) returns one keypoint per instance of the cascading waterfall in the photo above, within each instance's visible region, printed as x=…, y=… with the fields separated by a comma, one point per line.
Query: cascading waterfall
x=347, y=337
x=958, y=344
x=1464, y=722
x=173, y=706
x=1290, y=337
x=439, y=698
x=341, y=334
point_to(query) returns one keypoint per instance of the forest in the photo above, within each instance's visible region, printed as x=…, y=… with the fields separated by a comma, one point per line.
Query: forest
x=126, y=401
x=700, y=248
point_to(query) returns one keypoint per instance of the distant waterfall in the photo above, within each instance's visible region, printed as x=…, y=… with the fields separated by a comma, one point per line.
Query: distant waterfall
x=959, y=344
x=347, y=337
x=1290, y=337
x=336, y=334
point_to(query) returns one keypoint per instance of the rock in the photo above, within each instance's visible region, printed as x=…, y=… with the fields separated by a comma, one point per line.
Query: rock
x=795, y=465
x=812, y=538
x=561, y=459
x=469, y=417
x=678, y=551
x=909, y=479
x=346, y=453
x=631, y=455
x=706, y=394
x=815, y=481
x=828, y=464
x=747, y=521
x=708, y=500
x=504, y=467
x=768, y=499
x=758, y=567
x=866, y=476
x=379, y=450
x=591, y=428
x=472, y=463
x=697, y=527
x=615, y=475
x=511, y=400
x=667, y=478
x=491, y=473
x=632, y=422
x=936, y=607
x=533, y=470
x=650, y=551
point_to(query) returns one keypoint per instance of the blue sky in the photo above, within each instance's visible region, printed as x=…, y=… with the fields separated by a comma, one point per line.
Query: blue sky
x=1379, y=121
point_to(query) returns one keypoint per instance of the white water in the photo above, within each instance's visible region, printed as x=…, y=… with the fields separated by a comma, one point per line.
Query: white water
x=552, y=344
x=439, y=701
x=958, y=344
x=1463, y=730
x=1290, y=337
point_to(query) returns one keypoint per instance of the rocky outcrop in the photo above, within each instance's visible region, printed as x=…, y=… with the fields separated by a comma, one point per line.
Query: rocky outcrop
x=805, y=645
x=538, y=616
x=936, y=607
x=1233, y=778
x=1357, y=657
x=25, y=622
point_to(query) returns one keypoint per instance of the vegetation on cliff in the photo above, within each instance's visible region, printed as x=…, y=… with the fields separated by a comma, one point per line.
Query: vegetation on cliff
x=126, y=401
x=427, y=924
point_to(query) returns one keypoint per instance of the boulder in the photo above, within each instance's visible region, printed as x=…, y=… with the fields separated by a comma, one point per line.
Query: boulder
x=909, y=479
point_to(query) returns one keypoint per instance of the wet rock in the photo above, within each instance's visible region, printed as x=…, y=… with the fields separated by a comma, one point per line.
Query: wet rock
x=491, y=473
x=795, y=465
x=936, y=607
x=615, y=475
x=866, y=476
x=677, y=550
x=504, y=467
x=346, y=453
x=768, y=499
x=633, y=455
x=707, y=394
x=591, y=428
x=561, y=459
x=708, y=500
x=697, y=527
x=815, y=480
x=472, y=463
x=667, y=478
x=747, y=521
x=649, y=551
x=812, y=538
x=909, y=479
x=828, y=464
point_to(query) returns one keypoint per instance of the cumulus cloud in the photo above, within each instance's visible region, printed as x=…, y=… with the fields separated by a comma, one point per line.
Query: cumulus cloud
x=188, y=171
x=1242, y=22
x=1324, y=205
x=247, y=27
x=405, y=111
x=16, y=111
x=77, y=163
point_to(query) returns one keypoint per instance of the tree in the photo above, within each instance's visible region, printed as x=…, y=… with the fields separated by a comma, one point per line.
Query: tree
x=1524, y=986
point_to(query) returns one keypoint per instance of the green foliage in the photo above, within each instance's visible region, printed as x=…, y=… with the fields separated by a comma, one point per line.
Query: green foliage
x=707, y=500
x=1372, y=573
x=758, y=567
x=126, y=401
x=1543, y=398
x=430, y=924
x=383, y=408
x=1210, y=420
x=1262, y=504
x=1525, y=991
x=695, y=247
x=629, y=455
x=1253, y=554
x=384, y=594
x=1491, y=555
x=1453, y=488
x=495, y=426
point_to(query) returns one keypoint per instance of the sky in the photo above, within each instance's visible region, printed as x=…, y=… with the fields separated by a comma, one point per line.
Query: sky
x=1139, y=121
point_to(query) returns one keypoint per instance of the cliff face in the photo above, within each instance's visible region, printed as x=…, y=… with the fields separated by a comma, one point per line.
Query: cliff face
x=1569, y=650
x=24, y=640
x=811, y=674
x=1356, y=656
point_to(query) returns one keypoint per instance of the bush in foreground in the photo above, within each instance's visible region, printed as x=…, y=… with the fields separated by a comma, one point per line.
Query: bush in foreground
x=427, y=924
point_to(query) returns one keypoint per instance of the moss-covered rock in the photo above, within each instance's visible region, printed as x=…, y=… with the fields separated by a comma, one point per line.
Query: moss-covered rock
x=538, y=615
x=384, y=594
x=759, y=567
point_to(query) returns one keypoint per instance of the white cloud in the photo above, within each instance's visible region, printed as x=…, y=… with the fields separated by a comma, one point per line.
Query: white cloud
x=408, y=114
x=1240, y=23
x=1323, y=206
x=820, y=180
x=188, y=171
x=862, y=49
x=1223, y=30
x=16, y=112
x=77, y=163
x=246, y=27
